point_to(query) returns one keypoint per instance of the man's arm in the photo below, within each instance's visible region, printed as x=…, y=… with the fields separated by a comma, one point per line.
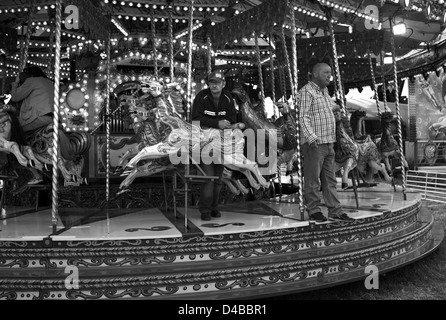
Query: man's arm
x=305, y=101
x=21, y=92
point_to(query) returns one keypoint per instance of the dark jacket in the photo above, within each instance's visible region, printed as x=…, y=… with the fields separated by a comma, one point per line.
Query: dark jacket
x=37, y=94
x=204, y=110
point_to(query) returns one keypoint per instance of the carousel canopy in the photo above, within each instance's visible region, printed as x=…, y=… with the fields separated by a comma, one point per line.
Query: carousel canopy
x=230, y=26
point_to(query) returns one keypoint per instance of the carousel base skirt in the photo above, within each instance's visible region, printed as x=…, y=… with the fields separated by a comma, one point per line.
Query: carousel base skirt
x=255, y=249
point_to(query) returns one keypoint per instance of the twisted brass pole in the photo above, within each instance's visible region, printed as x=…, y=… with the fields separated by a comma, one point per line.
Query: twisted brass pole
x=384, y=83
x=171, y=60
x=24, y=51
x=336, y=66
x=259, y=66
x=398, y=114
x=107, y=122
x=375, y=89
x=154, y=51
x=294, y=86
x=209, y=55
x=55, y=148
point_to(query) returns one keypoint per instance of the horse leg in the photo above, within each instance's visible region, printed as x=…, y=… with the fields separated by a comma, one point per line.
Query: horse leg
x=241, y=187
x=13, y=147
x=127, y=181
x=65, y=173
x=28, y=152
x=231, y=186
x=240, y=162
x=128, y=154
x=387, y=162
x=376, y=166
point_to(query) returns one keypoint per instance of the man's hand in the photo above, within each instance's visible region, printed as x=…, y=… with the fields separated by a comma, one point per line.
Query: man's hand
x=224, y=124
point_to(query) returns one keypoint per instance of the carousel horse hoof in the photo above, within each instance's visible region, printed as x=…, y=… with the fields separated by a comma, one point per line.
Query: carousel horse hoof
x=119, y=170
x=122, y=191
x=31, y=163
x=344, y=186
x=35, y=180
x=47, y=167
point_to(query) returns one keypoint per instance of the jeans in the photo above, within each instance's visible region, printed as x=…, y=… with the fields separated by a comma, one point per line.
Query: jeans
x=319, y=170
x=210, y=190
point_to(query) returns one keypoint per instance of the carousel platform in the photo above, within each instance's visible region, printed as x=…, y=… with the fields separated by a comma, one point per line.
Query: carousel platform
x=256, y=249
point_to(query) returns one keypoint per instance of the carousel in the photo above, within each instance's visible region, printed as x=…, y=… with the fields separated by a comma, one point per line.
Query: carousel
x=116, y=213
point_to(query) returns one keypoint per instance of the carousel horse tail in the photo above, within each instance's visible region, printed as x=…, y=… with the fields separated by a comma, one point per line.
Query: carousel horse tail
x=76, y=143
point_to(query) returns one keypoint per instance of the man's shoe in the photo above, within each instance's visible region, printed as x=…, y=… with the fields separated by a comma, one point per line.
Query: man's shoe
x=215, y=213
x=342, y=217
x=206, y=216
x=318, y=217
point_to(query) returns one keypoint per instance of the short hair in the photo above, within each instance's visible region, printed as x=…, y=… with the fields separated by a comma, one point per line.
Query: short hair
x=34, y=71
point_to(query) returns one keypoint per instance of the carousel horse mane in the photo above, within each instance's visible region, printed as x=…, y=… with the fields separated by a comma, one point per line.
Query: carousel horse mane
x=256, y=119
x=387, y=142
x=357, y=124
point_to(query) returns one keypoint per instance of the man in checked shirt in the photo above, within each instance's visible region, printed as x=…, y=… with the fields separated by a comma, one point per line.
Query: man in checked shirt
x=318, y=133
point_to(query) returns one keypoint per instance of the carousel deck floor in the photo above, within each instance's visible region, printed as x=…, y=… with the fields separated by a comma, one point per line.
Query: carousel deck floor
x=152, y=223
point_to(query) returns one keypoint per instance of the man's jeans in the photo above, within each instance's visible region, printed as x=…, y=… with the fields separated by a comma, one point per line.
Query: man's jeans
x=318, y=169
x=210, y=190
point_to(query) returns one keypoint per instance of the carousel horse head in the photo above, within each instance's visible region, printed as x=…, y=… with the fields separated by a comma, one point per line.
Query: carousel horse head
x=437, y=130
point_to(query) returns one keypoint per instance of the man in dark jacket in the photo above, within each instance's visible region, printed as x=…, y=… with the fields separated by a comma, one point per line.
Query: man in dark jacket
x=213, y=108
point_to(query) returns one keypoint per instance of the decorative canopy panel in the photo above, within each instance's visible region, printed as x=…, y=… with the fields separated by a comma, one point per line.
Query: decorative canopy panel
x=259, y=20
x=360, y=26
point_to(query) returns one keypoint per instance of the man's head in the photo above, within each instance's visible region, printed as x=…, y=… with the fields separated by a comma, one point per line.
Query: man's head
x=216, y=82
x=321, y=74
x=30, y=72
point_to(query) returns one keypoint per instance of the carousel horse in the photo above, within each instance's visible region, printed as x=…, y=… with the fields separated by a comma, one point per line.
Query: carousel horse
x=33, y=150
x=255, y=118
x=166, y=134
x=346, y=149
x=387, y=145
x=369, y=158
x=286, y=128
x=72, y=148
x=12, y=140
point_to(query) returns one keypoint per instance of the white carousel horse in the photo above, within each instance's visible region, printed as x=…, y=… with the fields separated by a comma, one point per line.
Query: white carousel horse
x=165, y=134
